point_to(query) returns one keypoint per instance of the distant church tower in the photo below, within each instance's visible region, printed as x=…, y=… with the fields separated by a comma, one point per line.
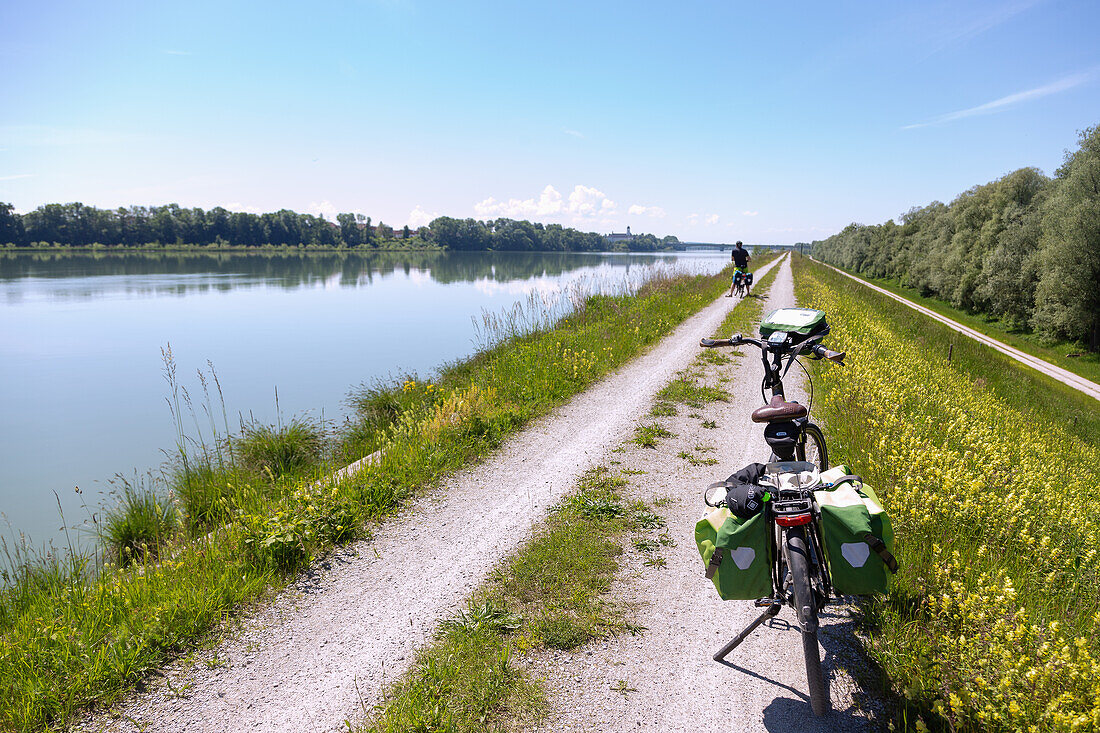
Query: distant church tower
x=619, y=237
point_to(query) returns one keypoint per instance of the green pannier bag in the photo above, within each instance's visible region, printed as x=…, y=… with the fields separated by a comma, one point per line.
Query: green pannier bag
x=735, y=551
x=859, y=540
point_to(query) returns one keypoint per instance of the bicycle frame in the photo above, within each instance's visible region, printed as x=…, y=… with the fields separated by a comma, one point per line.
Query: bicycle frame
x=774, y=369
x=800, y=575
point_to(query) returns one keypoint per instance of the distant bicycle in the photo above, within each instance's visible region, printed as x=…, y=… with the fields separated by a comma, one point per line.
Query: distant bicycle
x=800, y=574
x=740, y=284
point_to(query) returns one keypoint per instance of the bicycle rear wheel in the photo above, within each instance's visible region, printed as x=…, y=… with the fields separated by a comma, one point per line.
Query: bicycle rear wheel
x=805, y=606
x=812, y=447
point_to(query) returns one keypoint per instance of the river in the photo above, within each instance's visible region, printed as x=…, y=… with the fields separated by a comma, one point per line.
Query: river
x=82, y=378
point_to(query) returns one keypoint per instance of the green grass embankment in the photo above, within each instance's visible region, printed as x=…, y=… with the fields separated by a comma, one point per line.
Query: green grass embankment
x=993, y=623
x=1086, y=364
x=1024, y=388
x=240, y=523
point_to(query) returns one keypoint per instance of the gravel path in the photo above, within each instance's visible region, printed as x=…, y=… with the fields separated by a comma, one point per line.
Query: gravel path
x=321, y=653
x=665, y=679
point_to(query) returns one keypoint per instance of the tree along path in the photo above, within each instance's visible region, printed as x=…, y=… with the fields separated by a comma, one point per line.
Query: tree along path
x=323, y=651
x=664, y=678
x=1092, y=389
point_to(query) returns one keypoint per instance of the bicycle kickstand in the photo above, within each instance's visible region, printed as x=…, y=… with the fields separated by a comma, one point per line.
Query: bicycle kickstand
x=770, y=611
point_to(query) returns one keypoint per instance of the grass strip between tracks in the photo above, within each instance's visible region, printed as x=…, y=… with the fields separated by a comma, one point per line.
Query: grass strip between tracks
x=549, y=594
x=993, y=622
x=76, y=630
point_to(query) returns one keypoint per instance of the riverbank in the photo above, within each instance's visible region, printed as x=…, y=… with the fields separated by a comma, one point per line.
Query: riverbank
x=309, y=324
x=327, y=647
x=73, y=637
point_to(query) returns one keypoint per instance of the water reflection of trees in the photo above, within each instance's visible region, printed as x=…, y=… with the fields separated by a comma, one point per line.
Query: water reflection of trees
x=224, y=271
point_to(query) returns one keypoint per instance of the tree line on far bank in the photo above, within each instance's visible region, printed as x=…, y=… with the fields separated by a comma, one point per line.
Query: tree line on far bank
x=1024, y=248
x=77, y=225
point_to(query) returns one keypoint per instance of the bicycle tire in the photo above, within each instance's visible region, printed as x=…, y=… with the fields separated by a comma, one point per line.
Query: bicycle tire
x=814, y=439
x=805, y=606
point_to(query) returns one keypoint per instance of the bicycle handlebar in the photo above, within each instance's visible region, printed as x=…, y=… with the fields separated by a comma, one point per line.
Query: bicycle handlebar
x=819, y=351
x=834, y=356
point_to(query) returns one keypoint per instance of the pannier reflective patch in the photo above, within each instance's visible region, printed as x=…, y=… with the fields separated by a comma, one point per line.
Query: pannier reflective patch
x=743, y=557
x=856, y=553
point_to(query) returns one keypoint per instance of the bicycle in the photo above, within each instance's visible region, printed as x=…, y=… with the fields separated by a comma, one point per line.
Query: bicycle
x=799, y=454
x=739, y=284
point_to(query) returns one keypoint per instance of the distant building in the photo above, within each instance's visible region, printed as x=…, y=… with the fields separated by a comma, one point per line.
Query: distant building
x=620, y=237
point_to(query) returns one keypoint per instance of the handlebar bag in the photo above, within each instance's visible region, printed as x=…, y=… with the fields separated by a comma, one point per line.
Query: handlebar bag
x=735, y=552
x=858, y=538
x=800, y=323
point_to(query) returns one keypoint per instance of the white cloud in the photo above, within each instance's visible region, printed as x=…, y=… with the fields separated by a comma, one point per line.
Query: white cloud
x=749, y=213
x=574, y=133
x=586, y=201
x=694, y=219
x=420, y=218
x=1010, y=100
x=547, y=204
x=324, y=208
x=639, y=210
x=584, y=204
x=16, y=176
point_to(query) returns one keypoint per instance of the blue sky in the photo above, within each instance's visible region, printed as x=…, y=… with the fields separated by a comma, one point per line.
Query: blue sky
x=713, y=121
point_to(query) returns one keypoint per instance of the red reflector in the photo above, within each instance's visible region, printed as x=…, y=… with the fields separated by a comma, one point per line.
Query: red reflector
x=793, y=520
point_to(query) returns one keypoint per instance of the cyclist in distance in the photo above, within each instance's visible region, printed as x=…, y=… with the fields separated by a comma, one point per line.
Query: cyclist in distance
x=740, y=258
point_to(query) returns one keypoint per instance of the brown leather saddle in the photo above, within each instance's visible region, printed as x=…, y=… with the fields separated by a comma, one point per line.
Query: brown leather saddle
x=779, y=409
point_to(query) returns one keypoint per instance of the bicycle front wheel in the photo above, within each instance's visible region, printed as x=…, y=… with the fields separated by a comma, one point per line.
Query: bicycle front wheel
x=812, y=447
x=805, y=607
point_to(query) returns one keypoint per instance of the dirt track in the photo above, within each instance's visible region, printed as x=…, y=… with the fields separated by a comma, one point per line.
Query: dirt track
x=1092, y=389
x=322, y=652
x=665, y=679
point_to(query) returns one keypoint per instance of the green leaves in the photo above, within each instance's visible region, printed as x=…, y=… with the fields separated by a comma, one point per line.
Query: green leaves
x=1025, y=248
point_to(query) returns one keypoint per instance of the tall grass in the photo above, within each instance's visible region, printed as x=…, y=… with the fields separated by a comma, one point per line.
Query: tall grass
x=281, y=450
x=994, y=621
x=139, y=525
x=255, y=508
